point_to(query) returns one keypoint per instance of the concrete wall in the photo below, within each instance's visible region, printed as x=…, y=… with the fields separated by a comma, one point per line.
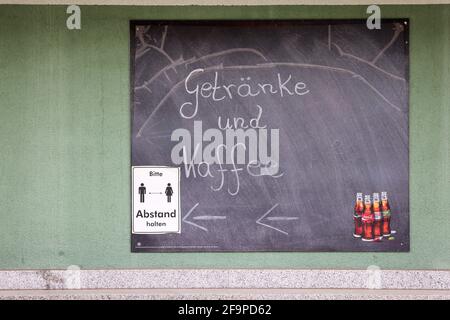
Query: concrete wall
x=59, y=85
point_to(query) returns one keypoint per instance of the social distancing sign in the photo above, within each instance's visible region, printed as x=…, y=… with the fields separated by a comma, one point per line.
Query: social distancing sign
x=156, y=200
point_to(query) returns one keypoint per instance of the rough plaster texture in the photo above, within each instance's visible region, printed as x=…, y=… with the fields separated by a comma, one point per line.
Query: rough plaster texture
x=64, y=135
x=234, y=278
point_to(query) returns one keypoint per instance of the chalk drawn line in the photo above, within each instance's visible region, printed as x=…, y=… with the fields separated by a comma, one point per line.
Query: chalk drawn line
x=187, y=62
x=259, y=221
x=282, y=218
x=209, y=218
x=348, y=55
x=204, y=217
x=193, y=223
x=398, y=29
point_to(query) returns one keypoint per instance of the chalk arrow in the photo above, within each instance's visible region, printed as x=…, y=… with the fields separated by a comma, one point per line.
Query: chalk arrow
x=206, y=217
x=274, y=219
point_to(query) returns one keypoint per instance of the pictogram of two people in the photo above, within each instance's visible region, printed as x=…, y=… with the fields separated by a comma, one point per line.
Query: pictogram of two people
x=142, y=191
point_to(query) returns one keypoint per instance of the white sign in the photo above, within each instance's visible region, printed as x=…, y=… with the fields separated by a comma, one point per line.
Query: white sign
x=156, y=200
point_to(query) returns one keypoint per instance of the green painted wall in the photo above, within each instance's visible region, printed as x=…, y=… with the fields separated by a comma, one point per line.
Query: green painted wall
x=64, y=135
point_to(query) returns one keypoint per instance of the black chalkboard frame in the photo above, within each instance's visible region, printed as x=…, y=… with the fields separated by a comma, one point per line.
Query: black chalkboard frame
x=257, y=23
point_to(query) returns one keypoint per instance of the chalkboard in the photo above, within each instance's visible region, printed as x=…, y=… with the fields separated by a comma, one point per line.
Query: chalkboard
x=275, y=126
